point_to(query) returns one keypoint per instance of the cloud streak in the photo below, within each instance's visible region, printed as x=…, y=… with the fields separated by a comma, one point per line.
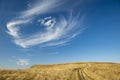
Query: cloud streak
x=57, y=30
x=13, y=29
x=22, y=62
x=41, y=7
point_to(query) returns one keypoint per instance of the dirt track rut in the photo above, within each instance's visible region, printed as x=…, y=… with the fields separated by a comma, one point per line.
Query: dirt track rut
x=79, y=74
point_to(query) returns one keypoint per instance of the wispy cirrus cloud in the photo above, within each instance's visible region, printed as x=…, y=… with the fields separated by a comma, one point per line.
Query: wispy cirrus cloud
x=13, y=28
x=41, y=7
x=57, y=30
x=22, y=62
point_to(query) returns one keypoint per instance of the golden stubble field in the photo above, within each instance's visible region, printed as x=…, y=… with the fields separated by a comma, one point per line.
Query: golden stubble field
x=67, y=71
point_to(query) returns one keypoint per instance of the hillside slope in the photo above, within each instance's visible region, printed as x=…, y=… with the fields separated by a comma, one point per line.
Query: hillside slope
x=68, y=71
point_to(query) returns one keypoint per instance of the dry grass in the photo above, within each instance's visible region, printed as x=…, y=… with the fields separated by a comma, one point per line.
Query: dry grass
x=97, y=71
x=104, y=71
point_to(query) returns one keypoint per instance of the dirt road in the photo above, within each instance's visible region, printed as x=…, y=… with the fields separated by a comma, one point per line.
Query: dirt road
x=80, y=74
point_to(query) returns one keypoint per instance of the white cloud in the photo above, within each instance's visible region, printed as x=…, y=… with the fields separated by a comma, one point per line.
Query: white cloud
x=22, y=62
x=49, y=35
x=57, y=31
x=42, y=7
x=13, y=28
x=49, y=22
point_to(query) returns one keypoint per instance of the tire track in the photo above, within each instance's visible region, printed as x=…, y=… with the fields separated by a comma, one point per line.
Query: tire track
x=80, y=74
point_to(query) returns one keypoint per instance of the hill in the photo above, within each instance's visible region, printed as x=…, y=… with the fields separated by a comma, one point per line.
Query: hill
x=66, y=71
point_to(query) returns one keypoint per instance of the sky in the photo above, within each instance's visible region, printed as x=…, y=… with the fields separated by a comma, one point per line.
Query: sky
x=58, y=31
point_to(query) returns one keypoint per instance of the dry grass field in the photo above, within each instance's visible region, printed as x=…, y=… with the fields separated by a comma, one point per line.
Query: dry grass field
x=68, y=71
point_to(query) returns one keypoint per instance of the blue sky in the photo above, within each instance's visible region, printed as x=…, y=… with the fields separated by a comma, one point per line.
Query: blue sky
x=58, y=31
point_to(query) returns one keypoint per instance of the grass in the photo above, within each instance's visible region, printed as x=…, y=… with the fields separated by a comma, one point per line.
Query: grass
x=96, y=71
x=105, y=71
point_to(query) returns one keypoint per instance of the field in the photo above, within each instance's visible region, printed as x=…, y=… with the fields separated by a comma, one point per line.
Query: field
x=68, y=71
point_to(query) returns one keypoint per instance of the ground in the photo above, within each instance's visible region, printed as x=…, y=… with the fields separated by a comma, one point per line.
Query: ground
x=66, y=71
